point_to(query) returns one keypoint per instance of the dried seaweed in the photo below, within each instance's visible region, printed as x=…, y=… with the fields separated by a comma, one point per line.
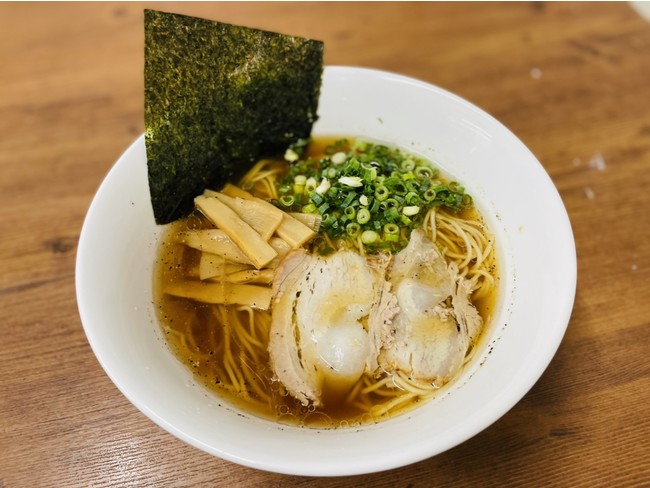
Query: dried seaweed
x=217, y=98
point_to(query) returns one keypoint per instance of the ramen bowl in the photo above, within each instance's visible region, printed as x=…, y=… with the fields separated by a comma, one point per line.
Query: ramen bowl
x=537, y=263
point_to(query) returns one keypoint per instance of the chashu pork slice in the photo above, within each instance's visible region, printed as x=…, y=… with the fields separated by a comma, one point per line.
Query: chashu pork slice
x=319, y=346
x=434, y=324
x=284, y=353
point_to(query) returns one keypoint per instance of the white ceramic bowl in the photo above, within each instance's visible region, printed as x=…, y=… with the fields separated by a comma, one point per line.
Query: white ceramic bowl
x=536, y=252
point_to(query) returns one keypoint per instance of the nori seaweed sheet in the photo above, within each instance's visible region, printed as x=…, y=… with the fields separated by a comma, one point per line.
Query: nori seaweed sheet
x=219, y=97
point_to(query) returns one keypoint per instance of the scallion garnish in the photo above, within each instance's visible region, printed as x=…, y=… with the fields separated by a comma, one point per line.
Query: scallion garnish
x=363, y=216
x=369, y=191
x=287, y=200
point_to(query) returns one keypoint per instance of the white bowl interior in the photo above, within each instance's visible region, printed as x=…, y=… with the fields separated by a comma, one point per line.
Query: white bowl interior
x=114, y=280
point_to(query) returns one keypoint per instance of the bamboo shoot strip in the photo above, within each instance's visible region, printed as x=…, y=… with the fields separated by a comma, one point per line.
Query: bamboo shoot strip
x=212, y=265
x=261, y=276
x=290, y=229
x=294, y=232
x=215, y=241
x=282, y=248
x=234, y=191
x=311, y=220
x=250, y=242
x=210, y=193
x=224, y=293
x=261, y=217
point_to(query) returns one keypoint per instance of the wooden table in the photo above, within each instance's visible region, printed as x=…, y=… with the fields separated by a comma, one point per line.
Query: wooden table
x=571, y=80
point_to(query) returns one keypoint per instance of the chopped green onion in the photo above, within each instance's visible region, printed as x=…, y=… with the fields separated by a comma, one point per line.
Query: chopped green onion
x=339, y=157
x=391, y=202
x=391, y=229
x=353, y=229
x=408, y=165
x=287, y=200
x=328, y=220
x=391, y=233
x=455, y=187
x=422, y=186
x=350, y=212
x=349, y=198
x=392, y=180
x=363, y=216
x=399, y=199
x=381, y=193
x=352, y=165
x=369, y=174
x=317, y=198
x=309, y=208
x=351, y=181
x=391, y=214
x=291, y=155
x=411, y=210
x=430, y=195
x=323, y=187
x=412, y=198
x=417, y=187
x=360, y=145
x=374, y=207
x=423, y=172
x=299, y=184
x=310, y=184
x=369, y=237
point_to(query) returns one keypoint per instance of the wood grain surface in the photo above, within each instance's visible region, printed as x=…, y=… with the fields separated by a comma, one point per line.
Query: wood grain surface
x=570, y=79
